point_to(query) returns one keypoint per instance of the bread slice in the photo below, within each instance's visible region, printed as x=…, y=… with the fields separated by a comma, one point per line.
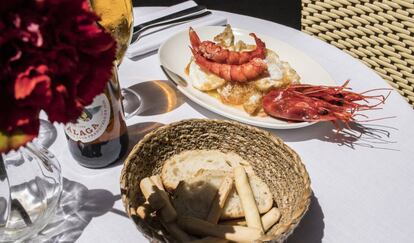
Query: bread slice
x=235, y=160
x=193, y=196
x=186, y=164
x=264, y=200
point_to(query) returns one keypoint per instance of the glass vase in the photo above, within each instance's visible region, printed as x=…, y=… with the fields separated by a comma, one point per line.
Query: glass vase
x=30, y=189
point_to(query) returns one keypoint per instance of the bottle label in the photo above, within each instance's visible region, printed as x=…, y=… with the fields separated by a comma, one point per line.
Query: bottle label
x=93, y=121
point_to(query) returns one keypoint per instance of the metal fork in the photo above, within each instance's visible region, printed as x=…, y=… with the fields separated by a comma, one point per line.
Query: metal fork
x=136, y=34
x=174, y=15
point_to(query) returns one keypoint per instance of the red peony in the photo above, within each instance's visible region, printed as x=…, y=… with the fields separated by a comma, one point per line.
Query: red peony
x=53, y=57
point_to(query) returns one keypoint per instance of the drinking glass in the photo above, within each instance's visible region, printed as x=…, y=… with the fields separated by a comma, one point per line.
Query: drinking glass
x=118, y=19
x=30, y=189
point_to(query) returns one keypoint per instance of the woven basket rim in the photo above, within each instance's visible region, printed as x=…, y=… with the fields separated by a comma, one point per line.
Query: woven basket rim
x=284, y=231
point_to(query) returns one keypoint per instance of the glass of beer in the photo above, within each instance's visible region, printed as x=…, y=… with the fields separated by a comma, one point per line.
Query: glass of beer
x=118, y=19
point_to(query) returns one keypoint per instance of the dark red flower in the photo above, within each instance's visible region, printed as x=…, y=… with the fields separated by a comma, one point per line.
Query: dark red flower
x=33, y=86
x=53, y=57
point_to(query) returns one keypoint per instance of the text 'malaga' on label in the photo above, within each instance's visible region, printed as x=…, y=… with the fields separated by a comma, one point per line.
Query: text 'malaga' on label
x=93, y=121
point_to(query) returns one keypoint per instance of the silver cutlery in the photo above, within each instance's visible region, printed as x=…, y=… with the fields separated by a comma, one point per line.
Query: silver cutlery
x=173, y=77
x=169, y=17
x=135, y=35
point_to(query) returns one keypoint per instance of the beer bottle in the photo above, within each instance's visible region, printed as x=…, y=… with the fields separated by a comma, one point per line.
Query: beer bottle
x=99, y=137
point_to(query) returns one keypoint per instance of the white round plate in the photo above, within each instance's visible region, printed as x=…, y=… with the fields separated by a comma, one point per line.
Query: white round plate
x=175, y=54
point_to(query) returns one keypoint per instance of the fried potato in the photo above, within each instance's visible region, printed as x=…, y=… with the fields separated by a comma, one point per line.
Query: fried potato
x=235, y=94
x=253, y=103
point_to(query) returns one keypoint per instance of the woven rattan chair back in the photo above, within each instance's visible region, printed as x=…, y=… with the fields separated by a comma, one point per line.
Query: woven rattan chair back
x=380, y=33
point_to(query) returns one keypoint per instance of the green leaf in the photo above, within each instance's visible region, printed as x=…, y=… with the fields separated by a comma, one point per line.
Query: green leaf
x=14, y=140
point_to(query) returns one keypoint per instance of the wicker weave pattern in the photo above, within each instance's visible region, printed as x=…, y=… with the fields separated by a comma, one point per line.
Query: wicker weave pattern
x=273, y=161
x=380, y=33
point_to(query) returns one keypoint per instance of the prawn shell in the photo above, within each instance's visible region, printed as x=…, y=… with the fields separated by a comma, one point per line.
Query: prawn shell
x=304, y=102
x=216, y=53
x=286, y=104
x=237, y=73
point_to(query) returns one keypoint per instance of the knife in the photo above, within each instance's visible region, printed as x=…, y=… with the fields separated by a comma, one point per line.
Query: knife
x=170, y=16
x=173, y=77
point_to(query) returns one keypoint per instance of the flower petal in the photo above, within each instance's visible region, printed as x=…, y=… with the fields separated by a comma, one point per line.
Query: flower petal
x=27, y=82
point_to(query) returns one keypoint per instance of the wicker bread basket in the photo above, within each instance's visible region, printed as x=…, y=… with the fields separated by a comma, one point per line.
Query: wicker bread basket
x=273, y=161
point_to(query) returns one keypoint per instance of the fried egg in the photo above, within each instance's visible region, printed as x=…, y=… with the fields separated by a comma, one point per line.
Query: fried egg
x=202, y=80
x=279, y=73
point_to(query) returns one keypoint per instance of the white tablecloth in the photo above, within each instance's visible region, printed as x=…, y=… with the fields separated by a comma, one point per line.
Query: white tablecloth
x=363, y=187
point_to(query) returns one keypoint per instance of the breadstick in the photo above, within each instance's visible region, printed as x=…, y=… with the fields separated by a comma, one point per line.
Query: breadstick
x=247, y=199
x=241, y=222
x=158, y=200
x=167, y=212
x=217, y=205
x=150, y=192
x=144, y=210
x=268, y=219
x=157, y=181
x=177, y=232
x=210, y=239
x=229, y=232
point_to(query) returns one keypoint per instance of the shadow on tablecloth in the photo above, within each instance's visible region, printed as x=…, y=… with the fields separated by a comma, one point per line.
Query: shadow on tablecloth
x=78, y=206
x=135, y=133
x=157, y=97
x=311, y=227
x=368, y=134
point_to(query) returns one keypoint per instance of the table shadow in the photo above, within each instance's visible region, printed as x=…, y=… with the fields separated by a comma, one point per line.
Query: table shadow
x=157, y=97
x=78, y=205
x=135, y=133
x=311, y=227
x=367, y=134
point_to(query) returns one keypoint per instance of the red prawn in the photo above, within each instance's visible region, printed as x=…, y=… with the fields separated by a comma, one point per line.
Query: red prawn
x=237, y=73
x=304, y=102
x=216, y=53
